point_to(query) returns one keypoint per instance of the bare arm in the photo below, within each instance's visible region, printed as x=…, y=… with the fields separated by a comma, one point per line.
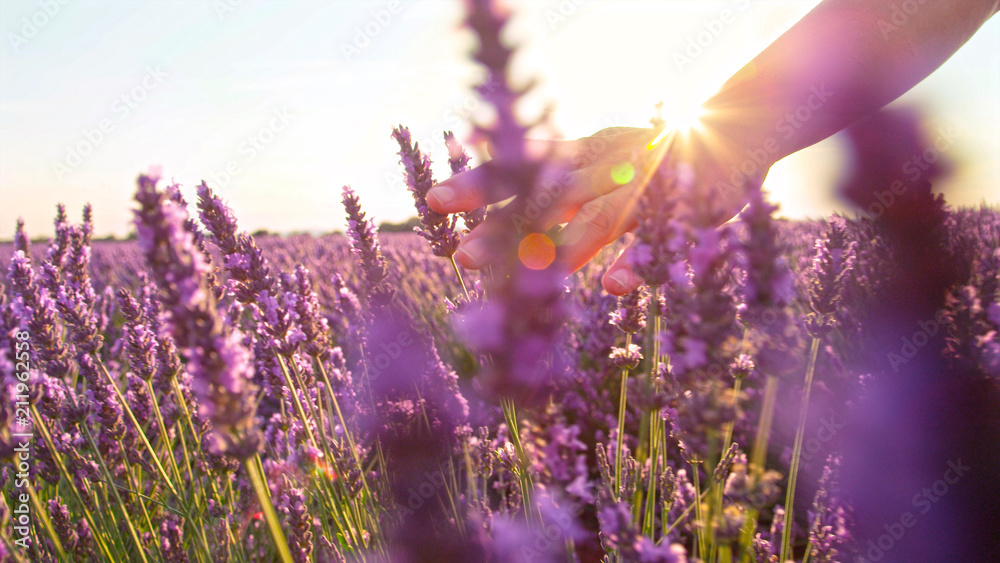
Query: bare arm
x=843, y=60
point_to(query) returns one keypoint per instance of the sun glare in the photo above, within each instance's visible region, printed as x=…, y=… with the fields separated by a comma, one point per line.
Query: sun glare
x=679, y=117
x=682, y=117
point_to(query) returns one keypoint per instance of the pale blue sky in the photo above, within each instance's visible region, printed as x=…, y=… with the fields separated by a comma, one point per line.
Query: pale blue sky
x=289, y=94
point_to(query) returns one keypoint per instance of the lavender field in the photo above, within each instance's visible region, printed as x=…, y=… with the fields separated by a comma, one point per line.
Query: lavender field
x=188, y=369
x=811, y=391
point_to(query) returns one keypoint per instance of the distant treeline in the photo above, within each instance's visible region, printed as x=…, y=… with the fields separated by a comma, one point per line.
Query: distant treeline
x=385, y=227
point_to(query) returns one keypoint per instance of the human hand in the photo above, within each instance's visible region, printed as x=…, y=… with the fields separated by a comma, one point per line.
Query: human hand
x=595, y=198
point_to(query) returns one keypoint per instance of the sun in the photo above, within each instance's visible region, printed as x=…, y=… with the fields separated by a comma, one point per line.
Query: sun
x=680, y=116
x=683, y=116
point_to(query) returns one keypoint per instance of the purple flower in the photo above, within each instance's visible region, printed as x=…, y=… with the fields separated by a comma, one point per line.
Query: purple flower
x=769, y=283
x=365, y=245
x=140, y=339
x=298, y=523
x=315, y=329
x=630, y=317
x=438, y=229
x=619, y=533
x=55, y=255
x=249, y=272
x=80, y=319
x=531, y=305
x=829, y=516
x=832, y=263
x=217, y=360
x=63, y=526
x=742, y=366
x=172, y=539
x=21, y=240
x=38, y=313
x=626, y=358
x=659, y=234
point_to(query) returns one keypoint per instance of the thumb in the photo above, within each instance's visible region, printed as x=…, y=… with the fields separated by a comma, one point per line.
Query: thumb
x=620, y=279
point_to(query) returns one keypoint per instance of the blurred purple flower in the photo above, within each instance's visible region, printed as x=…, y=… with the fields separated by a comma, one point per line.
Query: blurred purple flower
x=218, y=362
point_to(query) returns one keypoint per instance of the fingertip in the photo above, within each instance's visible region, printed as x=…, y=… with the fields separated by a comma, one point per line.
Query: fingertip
x=441, y=198
x=472, y=254
x=620, y=281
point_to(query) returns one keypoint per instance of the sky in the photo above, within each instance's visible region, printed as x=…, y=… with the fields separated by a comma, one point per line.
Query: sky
x=277, y=104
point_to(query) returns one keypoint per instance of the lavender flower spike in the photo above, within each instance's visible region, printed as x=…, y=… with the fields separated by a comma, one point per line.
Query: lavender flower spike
x=219, y=364
x=438, y=229
x=21, y=240
x=831, y=265
x=364, y=243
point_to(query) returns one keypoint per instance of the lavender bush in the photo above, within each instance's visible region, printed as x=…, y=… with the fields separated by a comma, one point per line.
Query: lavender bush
x=776, y=391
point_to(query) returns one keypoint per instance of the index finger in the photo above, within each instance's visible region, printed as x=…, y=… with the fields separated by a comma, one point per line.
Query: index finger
x=468, y=190
x=462, y=192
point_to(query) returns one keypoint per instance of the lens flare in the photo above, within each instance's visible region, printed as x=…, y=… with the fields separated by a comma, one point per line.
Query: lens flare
x=623, y=173
x=679, y=118
x=536, y=251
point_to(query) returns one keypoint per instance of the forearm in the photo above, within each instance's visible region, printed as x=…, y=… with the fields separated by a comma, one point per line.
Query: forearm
x=843, y=60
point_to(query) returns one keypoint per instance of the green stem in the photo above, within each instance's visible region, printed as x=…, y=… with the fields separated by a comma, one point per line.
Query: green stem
x=683, y=515
x=649, y=517
x=622, y=405
x=655, y=422
x=114, y=491
x=793, y=472
x=145, y=513
x=138, y=429
x=43, y=515
x=717, y=495
x=293, y=391
x=57, y=457
x=524, y=477
x=182, y=403
x=458, y=273
x=164, y=437
x=700, y=527
x=759, y=453
x=254, y=470
x=757, y=459
x=343, y=424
